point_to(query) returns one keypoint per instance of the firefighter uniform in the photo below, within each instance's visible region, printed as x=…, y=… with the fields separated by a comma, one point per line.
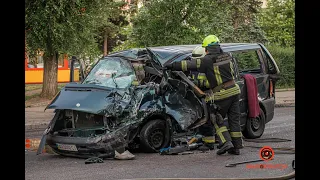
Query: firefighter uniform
x=207, y=129
x=215, y=73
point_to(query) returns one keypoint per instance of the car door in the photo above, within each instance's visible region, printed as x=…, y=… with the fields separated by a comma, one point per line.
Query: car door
x=250, y=61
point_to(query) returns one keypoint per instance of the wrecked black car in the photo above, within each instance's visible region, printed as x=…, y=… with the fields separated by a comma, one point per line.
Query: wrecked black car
x=129, y=101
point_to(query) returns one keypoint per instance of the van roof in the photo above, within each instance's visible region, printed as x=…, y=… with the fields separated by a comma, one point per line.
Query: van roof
x=166, y=53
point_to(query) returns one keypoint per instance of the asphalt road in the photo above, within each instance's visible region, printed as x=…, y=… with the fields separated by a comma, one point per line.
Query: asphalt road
x=197, y=165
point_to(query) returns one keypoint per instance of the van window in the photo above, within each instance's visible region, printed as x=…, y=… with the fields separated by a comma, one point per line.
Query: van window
x=247, y=61
x=270, y=66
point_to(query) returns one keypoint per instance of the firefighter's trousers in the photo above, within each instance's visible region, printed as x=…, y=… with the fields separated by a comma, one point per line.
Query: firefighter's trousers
x=231, y=107
x=208, y=132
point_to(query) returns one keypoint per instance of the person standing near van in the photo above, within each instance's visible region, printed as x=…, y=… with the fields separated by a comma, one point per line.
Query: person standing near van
x=224, y=92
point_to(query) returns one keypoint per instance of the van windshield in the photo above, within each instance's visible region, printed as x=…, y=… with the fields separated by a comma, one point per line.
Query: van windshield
x=111, y=72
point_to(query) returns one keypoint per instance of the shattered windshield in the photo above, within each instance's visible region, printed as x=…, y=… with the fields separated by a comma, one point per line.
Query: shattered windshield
x=112, y=73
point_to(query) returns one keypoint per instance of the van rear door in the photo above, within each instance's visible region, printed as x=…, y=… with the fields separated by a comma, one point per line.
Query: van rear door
x=253, y=60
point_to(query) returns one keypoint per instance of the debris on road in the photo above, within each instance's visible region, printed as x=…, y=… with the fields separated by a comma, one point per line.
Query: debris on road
x=93, y=160
x=126, y=155
x=243, y=162
x=180, y=149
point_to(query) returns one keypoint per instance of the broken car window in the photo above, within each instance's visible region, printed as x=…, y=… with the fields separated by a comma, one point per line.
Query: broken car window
x=248, y=61
x=112, y=73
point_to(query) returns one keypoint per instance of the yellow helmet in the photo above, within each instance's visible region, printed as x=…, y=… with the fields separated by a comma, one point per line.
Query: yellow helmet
x=210, y=40
x=198, y=52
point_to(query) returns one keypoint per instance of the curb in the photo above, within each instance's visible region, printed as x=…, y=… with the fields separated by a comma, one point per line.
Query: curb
x=287, y=89
x=285, y=105
x=41, y=126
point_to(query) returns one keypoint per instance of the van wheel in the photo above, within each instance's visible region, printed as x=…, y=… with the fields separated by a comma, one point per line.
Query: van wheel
x=255, y=126
x=152, y=136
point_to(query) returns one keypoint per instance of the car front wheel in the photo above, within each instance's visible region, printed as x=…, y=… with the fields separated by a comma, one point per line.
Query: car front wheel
x=255, y=126
x=153, y=136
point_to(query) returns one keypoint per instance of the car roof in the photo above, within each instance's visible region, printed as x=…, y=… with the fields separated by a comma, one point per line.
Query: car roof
x=167, y=53
x=178, y=52
x=163, y=50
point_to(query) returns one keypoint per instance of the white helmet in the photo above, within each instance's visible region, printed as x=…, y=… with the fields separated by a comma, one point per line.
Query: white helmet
x=198, y=52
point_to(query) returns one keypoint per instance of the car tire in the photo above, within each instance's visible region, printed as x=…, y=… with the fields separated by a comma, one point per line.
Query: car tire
x=255, y=126
x=152, y=136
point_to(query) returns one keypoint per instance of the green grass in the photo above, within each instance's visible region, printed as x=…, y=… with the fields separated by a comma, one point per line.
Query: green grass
x=31, y=87
x=284, y=86
x=31, y=96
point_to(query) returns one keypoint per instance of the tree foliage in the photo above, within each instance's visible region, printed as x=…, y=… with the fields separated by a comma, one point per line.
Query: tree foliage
x=285, y=59
x=189, y=21
x=65, y=26
x=278, y=21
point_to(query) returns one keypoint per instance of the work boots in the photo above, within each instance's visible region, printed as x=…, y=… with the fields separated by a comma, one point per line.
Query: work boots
x=234, y=151
x=225, y=147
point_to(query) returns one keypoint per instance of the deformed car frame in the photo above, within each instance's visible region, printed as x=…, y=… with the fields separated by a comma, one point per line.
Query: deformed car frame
x=128, y=100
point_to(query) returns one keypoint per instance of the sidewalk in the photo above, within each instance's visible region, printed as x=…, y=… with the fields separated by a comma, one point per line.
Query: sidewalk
x=36, y=118
x=285, y=98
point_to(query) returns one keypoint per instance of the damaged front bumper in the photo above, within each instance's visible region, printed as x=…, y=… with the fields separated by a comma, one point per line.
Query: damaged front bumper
x=103, y=146
x=82, y=147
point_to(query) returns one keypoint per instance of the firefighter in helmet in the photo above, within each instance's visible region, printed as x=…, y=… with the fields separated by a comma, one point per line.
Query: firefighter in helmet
x=206, y=130
x=215, y=72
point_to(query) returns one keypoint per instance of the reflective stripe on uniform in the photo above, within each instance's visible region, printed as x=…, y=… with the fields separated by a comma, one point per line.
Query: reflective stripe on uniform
x=135, y=83
x=184, y=65
x=217, y=74
x=202, y=76
x=223, y=140
x=209, y=139
x=209, y=96
x=222, y=129
x=225, y=93
x=198, y=63
x=236, y=134
x=207, y=84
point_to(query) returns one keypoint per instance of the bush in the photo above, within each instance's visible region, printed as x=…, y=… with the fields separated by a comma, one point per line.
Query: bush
x=285, y=58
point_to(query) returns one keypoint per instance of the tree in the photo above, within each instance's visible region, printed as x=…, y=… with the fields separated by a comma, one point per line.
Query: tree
x=189, y=21
x=64, y=26
x=123, y=37
x=110, y=33
x=243, y=18
x=277, y=20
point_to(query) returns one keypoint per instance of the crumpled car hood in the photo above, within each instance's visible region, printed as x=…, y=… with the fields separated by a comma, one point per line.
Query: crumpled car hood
x=90, y=99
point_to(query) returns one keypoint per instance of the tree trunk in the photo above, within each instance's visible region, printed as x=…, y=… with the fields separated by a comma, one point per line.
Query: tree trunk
x=235, y=24
x=235, y=19
x=50, y=75
x=105, y=44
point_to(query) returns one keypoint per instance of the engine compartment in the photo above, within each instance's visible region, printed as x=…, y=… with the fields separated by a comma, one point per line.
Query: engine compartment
x=81, y=124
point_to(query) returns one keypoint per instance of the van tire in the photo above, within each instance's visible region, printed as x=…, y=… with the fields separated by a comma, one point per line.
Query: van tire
x=255, y=126
x=152, y=136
